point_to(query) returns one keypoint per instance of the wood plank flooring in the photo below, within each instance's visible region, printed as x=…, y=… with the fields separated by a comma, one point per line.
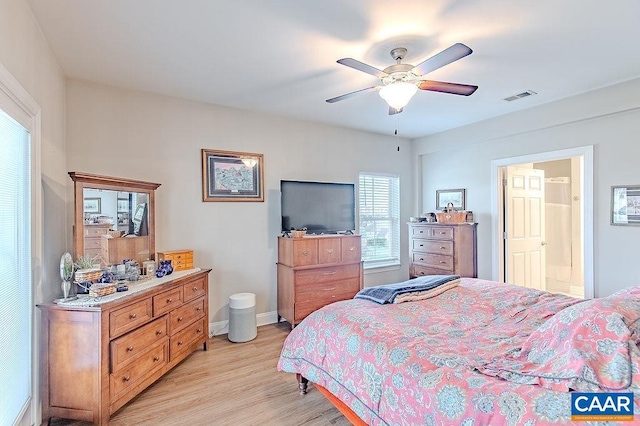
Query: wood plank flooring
x=230, y=384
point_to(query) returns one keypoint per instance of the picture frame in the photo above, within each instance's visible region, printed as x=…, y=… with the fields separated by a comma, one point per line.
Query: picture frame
x=625, y=205
x=92, y=205
x=232, y=176
x=123, y=205
x=455, y=196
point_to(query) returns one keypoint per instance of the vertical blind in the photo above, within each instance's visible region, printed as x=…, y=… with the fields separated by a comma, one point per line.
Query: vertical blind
x=379, y=213
x=15, y=269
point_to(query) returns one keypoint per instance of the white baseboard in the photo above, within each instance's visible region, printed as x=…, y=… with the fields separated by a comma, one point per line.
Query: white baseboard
x=222, y=327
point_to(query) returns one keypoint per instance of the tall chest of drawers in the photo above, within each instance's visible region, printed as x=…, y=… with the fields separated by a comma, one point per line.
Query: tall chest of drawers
x=96, y=359
x=314, y=271
x=442, y=249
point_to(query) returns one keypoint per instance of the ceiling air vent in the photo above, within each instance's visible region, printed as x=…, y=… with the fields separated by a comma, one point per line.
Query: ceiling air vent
x=520, y=95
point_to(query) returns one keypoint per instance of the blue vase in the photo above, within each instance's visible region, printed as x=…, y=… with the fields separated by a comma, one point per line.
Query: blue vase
x=165, y=266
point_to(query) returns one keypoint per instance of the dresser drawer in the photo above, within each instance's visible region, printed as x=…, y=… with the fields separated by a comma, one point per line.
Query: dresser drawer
x=95, y=231
x=324, y=294
x=92, y=243
x=181, y=265
x=193, y=289
x=185, y=314
x=186, y=337
x=130, y=317
x=326, y=290
x=166, y=301
x=433, y=261
x=131, y=345
x=121, y=381
x=319, y=275
x=432, y=246
x=329, y=250
x=419, y=271
x=305, y=252
x=351, y=249
x=433, y=232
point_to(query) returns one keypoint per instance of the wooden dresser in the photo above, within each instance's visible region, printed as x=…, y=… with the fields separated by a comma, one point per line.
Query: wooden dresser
x=442, y=249
x=180, y=259
x=96, y=359
x=92, y=237
x=314, y=271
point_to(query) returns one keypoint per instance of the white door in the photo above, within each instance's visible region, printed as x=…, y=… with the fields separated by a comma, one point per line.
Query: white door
x=525, y=227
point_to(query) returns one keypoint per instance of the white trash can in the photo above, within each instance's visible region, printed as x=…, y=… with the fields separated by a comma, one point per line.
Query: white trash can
x=242, y=317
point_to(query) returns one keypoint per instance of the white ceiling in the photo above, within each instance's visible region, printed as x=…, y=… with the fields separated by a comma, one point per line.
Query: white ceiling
x=279, y=56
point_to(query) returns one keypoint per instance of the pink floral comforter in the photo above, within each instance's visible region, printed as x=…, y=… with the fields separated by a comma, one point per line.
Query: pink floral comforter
x=482, y=353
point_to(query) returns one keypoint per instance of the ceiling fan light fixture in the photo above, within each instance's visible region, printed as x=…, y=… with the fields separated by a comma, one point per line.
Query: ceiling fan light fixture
x=398, y=94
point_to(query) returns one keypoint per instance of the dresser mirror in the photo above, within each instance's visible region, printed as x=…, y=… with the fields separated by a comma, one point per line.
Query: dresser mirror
x=114, y=218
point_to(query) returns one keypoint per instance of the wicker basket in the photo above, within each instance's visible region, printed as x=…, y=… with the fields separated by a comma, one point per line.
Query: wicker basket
x=451, y=217
x=115, y=234
x=298, y=234
x=97, y=290
x=87, y=275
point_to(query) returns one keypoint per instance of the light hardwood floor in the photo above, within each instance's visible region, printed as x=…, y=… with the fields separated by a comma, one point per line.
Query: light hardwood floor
x=229, y=384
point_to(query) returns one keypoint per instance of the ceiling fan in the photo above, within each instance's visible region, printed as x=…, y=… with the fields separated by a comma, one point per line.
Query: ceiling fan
x=401, y=81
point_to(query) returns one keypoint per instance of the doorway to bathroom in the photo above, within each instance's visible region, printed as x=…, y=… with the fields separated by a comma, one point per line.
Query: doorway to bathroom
x=543, y=231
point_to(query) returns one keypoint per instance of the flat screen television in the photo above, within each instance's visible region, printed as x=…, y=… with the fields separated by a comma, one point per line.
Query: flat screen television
x=321, y=207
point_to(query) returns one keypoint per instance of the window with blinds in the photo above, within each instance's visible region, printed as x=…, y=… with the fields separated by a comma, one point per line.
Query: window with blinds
x=15, y=270
x=379, y=215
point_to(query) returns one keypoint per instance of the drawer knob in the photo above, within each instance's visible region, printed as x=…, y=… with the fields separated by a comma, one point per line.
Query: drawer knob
x=158, y=332
x=130, y=349
x=195, y=288
x=179, y=342
x=180, y=319
x=132, y=315
x=156, y=358
x=126, y=378
x=443, y=233
x=421, y=273
x=422, y=259
x=421, y=232
x=198, y=309
x=198, y=330
x=329, y=250
x=169, y=300
x=442, y=248
x=442, y=262
x=352, y=249
x=329, y=273
x=421, y=245
x=329, y=289
x=305, y=253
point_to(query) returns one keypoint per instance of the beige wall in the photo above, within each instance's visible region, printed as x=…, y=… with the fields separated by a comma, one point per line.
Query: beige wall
x=608, y=119
x=131, y=134
x=26, y=55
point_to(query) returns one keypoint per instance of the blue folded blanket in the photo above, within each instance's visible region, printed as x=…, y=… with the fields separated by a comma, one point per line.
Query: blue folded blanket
x=387, y=293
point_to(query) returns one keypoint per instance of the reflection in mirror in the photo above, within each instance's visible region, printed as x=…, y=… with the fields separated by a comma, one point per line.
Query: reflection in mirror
x=113, y=219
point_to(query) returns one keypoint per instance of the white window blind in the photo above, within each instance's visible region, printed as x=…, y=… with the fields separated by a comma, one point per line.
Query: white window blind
x=379, y=215
x=15, y=269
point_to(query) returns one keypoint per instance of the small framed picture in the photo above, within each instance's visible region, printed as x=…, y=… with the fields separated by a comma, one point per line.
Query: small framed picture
x=232, y=176
x=625, y=205
x=92, y=205
x=453, y=196
x=123, y=205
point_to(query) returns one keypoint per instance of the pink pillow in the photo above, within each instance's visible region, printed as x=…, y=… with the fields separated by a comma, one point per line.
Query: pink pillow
x=584, y=347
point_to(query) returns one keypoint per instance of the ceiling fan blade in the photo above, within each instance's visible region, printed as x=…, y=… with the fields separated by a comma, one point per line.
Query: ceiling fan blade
x=453, y=88
x=393, y=111
x=361, y=66
x=448, y=55
x=348, y=95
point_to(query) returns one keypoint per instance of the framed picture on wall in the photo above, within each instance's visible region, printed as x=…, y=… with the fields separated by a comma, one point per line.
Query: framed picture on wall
x=92, y=205
x=123, y=205
x=453, y=196
x=625, y=205
x=232, y=176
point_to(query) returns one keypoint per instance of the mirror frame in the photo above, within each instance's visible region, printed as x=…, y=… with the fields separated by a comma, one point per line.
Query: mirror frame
x=83, y=180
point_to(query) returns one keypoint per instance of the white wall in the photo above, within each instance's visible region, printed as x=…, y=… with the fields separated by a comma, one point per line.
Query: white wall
x=608, y=119
x=26, y=55
x=124, y=133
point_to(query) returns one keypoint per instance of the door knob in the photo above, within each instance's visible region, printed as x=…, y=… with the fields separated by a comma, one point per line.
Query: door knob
x=544, y=243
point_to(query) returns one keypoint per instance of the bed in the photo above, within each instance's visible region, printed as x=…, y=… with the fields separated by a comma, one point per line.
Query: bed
x=481, y=352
